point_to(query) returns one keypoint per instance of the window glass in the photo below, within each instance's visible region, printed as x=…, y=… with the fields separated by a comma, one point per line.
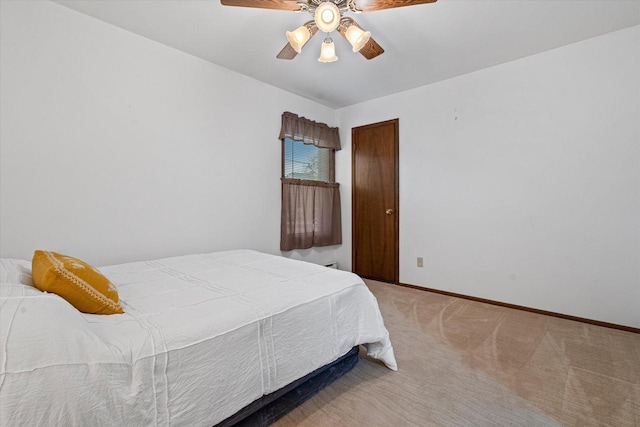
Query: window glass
x=306, y=161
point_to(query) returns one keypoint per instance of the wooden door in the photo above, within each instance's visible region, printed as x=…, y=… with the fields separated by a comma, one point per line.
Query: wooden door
x=375, y=201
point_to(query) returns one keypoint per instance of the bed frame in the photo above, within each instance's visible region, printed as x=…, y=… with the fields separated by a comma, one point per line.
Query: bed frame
x=269, y=408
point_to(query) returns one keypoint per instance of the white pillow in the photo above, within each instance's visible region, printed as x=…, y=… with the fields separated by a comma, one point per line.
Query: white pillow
x=16, y=271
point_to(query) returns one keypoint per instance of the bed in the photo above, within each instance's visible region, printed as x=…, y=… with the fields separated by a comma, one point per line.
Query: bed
x=202, y=341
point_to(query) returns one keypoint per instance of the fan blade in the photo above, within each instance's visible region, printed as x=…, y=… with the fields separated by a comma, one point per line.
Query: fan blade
x=288, y=52
x=369, y=50
x=266, y=4
x=371, y=5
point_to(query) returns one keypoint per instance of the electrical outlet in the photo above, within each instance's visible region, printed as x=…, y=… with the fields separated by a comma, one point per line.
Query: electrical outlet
x=420, y=261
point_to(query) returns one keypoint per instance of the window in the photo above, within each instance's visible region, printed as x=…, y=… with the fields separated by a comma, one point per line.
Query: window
x=310, y=195
x=306, y=161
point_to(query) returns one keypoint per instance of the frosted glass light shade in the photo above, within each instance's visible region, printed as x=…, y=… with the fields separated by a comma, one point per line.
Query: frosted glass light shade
x=357, y=37
x=327, y=17
x=298, y=37
x=328, y=51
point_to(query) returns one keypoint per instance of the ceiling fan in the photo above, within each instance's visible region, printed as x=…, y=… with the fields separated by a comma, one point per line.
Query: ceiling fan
x=328, y=16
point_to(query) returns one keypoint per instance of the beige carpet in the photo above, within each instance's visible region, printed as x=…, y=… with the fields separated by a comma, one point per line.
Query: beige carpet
x=468, y=363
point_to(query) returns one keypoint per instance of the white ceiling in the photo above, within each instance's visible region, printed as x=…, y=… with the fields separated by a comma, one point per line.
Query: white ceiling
x=423, y=44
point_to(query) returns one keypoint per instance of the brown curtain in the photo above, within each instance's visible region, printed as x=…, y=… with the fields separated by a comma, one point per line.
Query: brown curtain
x=310, y=214
x=309, y=132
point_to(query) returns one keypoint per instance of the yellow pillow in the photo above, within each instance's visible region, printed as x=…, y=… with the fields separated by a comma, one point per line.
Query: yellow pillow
x=76, y=281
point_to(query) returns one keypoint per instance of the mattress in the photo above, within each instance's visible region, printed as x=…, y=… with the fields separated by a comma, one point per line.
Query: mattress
x=202, y=336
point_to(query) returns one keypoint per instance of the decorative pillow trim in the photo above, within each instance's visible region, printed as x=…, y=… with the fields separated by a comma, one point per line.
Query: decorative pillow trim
x=90, y=290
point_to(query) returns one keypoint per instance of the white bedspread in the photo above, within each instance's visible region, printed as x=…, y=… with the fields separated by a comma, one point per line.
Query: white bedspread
x=202, y=336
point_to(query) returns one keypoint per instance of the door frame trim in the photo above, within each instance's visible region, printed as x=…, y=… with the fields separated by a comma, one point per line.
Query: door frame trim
x=396, y=202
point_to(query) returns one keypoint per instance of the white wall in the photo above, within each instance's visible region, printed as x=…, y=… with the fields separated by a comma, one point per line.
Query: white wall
x=116, y=148
x=521, y=183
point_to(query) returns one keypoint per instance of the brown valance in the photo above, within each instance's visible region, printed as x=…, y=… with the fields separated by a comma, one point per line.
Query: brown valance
x=309, y=131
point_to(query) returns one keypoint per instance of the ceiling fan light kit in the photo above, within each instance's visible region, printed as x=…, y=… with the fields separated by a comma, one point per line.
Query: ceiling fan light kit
x=328, y=16
x=357, y=37
x=298, y=37
x=328, y=51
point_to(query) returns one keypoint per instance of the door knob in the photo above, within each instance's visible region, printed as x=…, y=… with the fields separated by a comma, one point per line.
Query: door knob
x=389, y=211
